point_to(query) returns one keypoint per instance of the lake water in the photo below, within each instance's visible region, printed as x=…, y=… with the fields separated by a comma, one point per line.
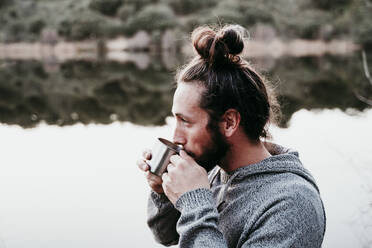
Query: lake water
x=68, y=184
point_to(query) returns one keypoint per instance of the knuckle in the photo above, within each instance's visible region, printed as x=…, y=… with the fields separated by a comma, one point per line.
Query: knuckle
x=164, y=176
x=139, y=162
x=166, y=179
x=183, y=164
x=149, y=176
x=153, y=185
x=170, y=174
x=173, y=159
x=142, y=164
x=170, y=167
x=166, y=184
x=146, y=154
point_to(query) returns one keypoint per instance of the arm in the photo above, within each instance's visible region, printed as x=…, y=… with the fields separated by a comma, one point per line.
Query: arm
x=285, y=222
x=187, y=186
x=198, y=224
x=162, y=219
x=162, y=216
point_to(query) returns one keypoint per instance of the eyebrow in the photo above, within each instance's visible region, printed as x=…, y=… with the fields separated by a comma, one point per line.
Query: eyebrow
x=181, y=115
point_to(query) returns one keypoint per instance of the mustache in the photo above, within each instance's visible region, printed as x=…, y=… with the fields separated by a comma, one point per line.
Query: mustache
x=191, y=154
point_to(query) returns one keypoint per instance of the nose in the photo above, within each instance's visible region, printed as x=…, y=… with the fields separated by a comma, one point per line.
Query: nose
x=179, y=137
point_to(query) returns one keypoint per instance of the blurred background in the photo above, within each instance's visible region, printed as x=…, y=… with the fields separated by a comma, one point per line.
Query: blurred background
x=86, y=85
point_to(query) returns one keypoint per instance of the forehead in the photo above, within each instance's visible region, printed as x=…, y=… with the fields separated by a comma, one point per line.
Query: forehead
x=187, y=98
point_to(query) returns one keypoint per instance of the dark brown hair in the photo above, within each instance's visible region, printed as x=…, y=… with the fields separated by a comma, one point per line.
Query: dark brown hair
x=229, y=80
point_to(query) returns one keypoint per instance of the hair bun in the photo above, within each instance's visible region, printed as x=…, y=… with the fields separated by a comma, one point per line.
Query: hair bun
x=219, y=47
x=233, y=38
x=202, y=39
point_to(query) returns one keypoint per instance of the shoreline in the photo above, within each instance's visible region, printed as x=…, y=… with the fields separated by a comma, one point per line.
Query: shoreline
x=121, y=48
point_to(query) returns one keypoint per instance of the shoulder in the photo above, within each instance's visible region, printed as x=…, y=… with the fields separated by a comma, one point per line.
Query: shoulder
x=291, y=209
x=283, y=192
x=284, y=183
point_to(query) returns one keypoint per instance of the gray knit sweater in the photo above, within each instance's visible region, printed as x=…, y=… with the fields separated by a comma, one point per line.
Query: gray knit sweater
x=274, y=203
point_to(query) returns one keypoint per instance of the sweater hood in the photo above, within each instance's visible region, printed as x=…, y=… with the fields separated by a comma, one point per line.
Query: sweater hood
x=283, y=160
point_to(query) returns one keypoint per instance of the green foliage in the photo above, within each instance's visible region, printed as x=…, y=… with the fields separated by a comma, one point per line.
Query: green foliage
x=355, y=23
x=184, y=7
x=126, y=10
x=255, y=15
x=36, y=26
x=16, y=31
x=150, y=18
x=76, y=20
x=331, y=4
x=4, y=3
x=310, y=23
x=226, y=12
x=105, y=7
x=79, y=29
x=139, y=4
x=86, y=26
x=362, y=28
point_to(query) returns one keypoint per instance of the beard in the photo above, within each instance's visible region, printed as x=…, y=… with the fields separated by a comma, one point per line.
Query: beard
x=215, y=151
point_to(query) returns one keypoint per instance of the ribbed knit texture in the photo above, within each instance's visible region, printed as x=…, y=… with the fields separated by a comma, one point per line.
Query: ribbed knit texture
x=274, y=203
x=194, y=199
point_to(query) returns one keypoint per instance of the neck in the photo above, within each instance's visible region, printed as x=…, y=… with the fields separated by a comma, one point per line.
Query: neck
x=243, y=153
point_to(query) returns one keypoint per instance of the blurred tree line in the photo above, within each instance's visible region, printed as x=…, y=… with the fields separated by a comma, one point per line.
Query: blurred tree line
x=24, y=20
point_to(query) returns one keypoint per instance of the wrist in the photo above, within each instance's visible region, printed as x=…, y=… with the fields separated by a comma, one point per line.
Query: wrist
x=159, y=199
x=194, y=199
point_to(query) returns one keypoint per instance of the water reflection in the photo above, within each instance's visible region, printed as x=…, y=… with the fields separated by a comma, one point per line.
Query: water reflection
x=83, y=91
x=320, y=83
x=139, y=88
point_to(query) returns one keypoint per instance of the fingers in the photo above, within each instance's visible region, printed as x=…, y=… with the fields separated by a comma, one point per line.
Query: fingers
x=153, y=180
x=184, y=155
x=147, y=154
x=175, y=159
x=170, y=167
x=141, y=163
x=165, y=179
x=181, y=160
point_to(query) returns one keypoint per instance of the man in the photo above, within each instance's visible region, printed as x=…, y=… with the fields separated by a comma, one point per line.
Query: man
x=228, y=188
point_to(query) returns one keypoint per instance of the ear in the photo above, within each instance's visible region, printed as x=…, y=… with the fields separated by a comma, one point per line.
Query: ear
x=230, y=122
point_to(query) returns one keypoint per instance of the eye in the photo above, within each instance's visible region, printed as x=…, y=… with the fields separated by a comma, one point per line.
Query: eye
x=184, y=120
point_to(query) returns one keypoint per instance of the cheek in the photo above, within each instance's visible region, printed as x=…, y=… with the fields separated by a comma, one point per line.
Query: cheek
x=199, y=141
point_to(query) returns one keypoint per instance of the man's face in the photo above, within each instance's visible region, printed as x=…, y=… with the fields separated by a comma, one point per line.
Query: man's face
x=206, y=145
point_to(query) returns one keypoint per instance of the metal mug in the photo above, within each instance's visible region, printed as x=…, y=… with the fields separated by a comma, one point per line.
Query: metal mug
x=161, y=153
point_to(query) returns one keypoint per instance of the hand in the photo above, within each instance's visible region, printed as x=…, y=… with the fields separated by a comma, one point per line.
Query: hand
x=184, y=175
x=154, y=181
